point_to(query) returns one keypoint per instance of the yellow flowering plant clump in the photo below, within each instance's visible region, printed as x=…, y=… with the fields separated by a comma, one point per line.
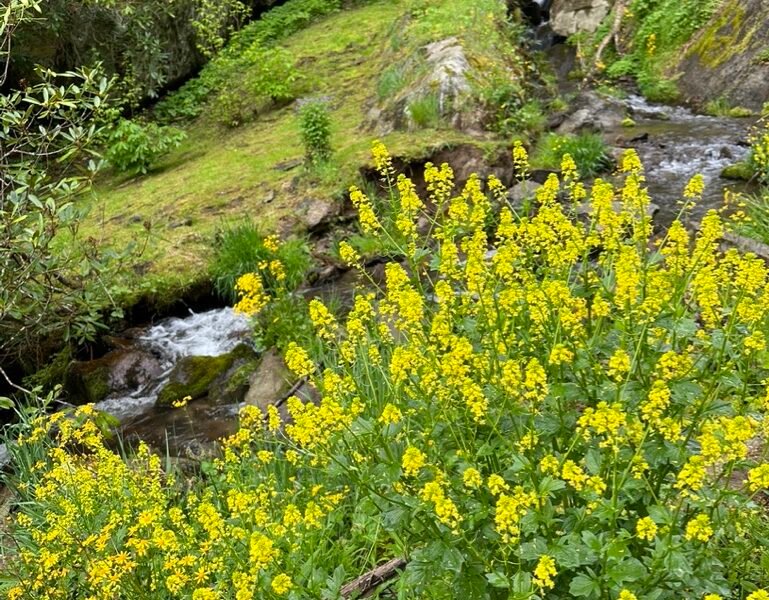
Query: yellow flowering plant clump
x=269, y=294
x=534, y=405
x=759, y=150
x=93, y=525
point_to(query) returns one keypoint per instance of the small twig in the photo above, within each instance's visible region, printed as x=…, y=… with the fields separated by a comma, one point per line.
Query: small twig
x=366, y=583
x=620, y=8
x=291, y=392
x=12, y=384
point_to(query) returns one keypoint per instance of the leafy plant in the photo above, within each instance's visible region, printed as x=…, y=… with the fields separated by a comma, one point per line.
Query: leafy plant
x=315, y=128
x=588, y=150
x=48, y=158
x=657, y=29
x=238, y=56
x=135, y=147
x=759, y=150
x=552, y=409
x=271, y=73
x=233, y=107
x=391, y=81
x=425, y=111
x=755, y=224
x=241, y=248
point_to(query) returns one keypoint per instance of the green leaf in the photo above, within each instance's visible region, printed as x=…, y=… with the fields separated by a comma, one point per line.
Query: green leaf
x=6, y=403
x=549, y=485
x=498, y=580
x=584, y=586
x=628, y=570
x=533, y=550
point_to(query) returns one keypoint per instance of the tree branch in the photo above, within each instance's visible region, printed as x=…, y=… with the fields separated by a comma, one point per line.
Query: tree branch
x=365, y=584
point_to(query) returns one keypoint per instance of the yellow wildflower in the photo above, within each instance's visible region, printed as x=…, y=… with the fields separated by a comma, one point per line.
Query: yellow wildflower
x=544, y=572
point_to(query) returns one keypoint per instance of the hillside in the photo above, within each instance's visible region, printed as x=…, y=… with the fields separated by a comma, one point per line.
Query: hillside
x=222, y=175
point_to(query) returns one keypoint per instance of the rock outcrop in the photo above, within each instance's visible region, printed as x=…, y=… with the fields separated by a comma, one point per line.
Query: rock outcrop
x=119, y=371
x=729, y=58
x=590, y=112
x=441, y=90
x=568, y=17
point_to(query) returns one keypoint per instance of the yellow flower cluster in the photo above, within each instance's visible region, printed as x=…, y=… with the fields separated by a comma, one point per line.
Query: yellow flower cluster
x=544, y=572
x=559, y=380
x=253, y=297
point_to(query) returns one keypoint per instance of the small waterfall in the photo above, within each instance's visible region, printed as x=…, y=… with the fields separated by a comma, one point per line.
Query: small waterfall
x=210, y=333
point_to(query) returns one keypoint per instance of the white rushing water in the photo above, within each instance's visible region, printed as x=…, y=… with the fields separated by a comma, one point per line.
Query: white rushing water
x=210, y=333
x=679, y=144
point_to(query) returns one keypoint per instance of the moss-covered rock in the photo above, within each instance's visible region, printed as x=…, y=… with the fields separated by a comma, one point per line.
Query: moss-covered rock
x=741, y=171
x=723, y=58
x=87, y=382
x=223, y=379
x=121, y=370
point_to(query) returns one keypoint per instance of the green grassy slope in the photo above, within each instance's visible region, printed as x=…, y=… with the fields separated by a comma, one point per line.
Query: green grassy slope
x=221, y=175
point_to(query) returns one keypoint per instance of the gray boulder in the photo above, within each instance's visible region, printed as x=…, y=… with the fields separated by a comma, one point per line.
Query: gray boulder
x=568, y=17
x=591, y=111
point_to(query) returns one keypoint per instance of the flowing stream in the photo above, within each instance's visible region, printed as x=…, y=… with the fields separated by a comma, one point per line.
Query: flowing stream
x=210, y=333
x=675, y=143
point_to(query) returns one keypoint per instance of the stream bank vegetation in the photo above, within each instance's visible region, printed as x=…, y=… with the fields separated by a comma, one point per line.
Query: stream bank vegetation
x=755, y=206
x=548, y=403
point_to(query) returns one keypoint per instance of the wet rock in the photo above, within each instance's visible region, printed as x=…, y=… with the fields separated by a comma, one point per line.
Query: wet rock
x=723, y=61
x=199, y=450
x=649, y=112
x=187, y=467
x=745, y=244
x=317, y=213
x=525, y=190
x=726, y=152
x=118, y=371
x=568, y=17
x=541, y=175
x=592, y=112
x=223, y=379
x=270, y=382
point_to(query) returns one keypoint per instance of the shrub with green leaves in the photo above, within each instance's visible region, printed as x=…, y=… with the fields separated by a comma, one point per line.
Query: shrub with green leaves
x=49, y=133
x=262, y=78
x=136, y=147
x=236, y=57
x=315, y=127
x=271, y=73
